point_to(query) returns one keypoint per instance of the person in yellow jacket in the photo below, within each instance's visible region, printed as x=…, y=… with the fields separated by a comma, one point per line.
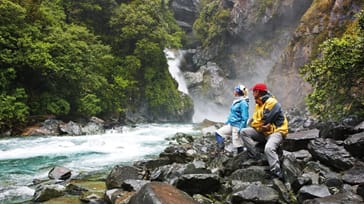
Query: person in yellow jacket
x=268, y=125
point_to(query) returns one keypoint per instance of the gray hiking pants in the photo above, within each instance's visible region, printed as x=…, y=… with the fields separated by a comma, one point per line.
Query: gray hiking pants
x=251, y=137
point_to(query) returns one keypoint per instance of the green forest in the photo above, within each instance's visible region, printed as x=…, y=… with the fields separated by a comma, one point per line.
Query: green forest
x=76, y=59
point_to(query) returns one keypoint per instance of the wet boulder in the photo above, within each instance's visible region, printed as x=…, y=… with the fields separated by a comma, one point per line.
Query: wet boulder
x=336, y=131
x=355, y=145
x=133, y=184
x=171, y=172
x=331, y=154
x=118, y=196
x=354, y=175
x=70, y=128
x=119, y=174
x=198, y=183
x=161, y=193
x=312, y=191
x=256, y=193
x=299, y=140
x=339, y=198
x=251, y=174
x=59, y=173
x=46, y=192
x=176, y=154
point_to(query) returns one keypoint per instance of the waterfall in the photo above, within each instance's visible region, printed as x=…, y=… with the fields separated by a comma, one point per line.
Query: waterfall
x=174, y=58
x=204, y=109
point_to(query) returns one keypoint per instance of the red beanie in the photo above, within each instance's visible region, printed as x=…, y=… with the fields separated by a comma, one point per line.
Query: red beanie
x=260, y=87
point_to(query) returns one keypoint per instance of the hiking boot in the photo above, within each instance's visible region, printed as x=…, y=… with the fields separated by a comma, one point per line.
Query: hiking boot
x=274, y=174
x=220, y=149
x=278, y=175
x=241, y=149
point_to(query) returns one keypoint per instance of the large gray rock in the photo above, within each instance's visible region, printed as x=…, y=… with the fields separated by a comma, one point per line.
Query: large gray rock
x=251, y=174
x=185, y=12
x=46, y=192
x=359, y=127
x=198, y=183
x=118, y=196
x=133, y=184
x=256, y=193
x=360, y=190
x=331, y=154
x=340, y=198
x=92, y=128
x=336, y=131
x=355, y=144
x=153, y=163
x=299, y=140
x=48, y=127
x=161, y=193
x=176, y=154
x=301, y=156
x=291, y=168
x=171, y=172
x=71, y=128
x=312, y=191
x=119, y=174
x=59, y=172
x=354, y=175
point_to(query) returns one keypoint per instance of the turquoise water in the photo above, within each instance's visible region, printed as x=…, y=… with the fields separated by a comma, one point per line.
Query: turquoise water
x=23, y=159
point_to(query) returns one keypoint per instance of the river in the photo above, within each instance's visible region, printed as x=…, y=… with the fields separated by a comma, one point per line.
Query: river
x=23, y=159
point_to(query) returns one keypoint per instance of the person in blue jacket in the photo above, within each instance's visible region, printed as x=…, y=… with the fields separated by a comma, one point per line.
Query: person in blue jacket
x=236, y=121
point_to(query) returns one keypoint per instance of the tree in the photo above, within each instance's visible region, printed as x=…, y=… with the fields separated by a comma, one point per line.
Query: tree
x=212, y=23
x=13, y=107
x=62, y=58
x=93, y=14
x=144, y=20
x=143, y=29
x=63, y=69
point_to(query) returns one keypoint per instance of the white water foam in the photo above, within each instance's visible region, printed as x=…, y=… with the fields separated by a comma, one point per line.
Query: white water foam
x=24, y=159
x=20, y=191
x=132, y=142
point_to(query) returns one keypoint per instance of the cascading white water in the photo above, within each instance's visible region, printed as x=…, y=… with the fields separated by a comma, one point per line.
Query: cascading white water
x=174, y=58
x=203, y=109
x=23, y=159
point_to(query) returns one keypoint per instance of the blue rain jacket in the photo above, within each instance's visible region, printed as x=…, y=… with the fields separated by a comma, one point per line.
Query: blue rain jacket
x=239, y=113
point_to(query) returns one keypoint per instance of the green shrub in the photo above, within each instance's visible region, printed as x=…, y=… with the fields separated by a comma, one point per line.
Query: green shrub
x=337, y=77
x=89, y=105
x=51, y=104
x=13, y=109
x=212, y=23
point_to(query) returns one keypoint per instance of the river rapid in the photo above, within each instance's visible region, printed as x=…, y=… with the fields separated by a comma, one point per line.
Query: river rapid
x=23, y=159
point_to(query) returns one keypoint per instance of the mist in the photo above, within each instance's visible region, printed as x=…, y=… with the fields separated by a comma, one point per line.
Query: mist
x=250, y=49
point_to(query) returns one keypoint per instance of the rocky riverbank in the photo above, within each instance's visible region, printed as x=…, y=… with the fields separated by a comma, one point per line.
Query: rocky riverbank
x=322, y=163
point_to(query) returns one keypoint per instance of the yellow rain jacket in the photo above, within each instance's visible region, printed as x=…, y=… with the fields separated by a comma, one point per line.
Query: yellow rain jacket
x=270, y=112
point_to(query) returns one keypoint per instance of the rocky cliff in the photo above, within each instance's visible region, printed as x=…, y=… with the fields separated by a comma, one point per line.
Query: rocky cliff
x=324, y=19
x=264, y=41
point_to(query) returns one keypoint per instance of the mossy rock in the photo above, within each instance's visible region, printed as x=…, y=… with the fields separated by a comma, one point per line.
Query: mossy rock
x=64, y=199
x=92, y=186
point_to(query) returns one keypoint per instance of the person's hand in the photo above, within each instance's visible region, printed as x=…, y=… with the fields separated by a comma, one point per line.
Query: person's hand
x=249, y=122
x=266, y=127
